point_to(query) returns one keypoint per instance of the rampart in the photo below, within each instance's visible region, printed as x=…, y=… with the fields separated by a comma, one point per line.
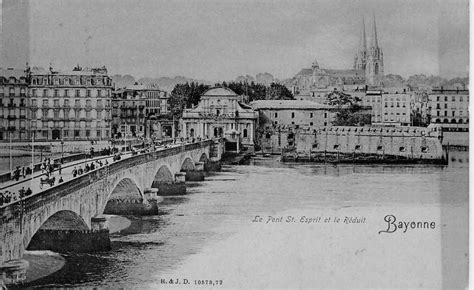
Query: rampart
x=406, y=143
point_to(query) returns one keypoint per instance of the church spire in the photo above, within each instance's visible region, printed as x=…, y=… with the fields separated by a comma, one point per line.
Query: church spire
x=363, y=41
x=374, y=42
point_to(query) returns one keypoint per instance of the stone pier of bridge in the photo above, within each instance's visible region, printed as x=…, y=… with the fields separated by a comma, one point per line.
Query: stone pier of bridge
x=69, y=217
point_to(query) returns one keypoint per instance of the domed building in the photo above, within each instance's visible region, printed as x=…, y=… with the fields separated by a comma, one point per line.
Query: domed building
x=220, y=114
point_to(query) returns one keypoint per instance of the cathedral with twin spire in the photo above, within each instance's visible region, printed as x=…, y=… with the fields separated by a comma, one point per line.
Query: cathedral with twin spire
x=370, y=60
x=368, y=69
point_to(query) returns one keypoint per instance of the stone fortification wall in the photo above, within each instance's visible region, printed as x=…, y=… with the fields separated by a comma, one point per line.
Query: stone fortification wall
x=408, y=142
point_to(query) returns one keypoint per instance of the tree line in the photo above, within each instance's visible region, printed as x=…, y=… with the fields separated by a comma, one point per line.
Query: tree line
x=188, y=95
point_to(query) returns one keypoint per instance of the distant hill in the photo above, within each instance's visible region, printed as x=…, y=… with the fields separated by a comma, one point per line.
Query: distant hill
x=164, y=83
x=264, y=78
x=243, y=79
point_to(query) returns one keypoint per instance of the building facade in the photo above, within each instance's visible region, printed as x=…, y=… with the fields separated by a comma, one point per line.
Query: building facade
x=292, y=113
x=449, y=107
x=14, y=111
x=141, y=111
x=220, y=114
x=128, y=112
x=157, y=101
x=70, y=105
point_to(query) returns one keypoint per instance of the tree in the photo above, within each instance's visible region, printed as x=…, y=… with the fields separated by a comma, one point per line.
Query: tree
x=348, y=110
x=186, y=96
x=279, y=92
x=257, y=91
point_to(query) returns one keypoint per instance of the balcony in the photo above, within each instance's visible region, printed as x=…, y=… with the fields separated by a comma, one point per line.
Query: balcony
x=23, y=116
x=11, y=104
x=11, y=117
x=22, y=105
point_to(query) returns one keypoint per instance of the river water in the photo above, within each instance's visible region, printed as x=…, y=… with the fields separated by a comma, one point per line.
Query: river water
x=210, y=234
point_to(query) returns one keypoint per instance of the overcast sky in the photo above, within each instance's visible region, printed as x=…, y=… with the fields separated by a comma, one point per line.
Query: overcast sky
x=222, y=39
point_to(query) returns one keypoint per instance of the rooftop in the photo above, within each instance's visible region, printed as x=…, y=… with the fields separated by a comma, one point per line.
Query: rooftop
x=12, y=72
x=219, y=92
x=76, y=71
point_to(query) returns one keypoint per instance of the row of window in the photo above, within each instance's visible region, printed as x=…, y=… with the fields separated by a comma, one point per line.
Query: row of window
x=391, y=113
x=438, y=113
x=310, y=123
x=453, y=121
x=58, y=124
x=453, y=98
x=11, y=91
x=72, y=81
x=76, y=114
x=311, y=115
x=66, y=103
x=66, y=93
x=423, y=149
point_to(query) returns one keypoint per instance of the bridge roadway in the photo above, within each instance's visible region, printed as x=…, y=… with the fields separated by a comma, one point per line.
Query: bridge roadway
x=76, y=206
x=34, y=183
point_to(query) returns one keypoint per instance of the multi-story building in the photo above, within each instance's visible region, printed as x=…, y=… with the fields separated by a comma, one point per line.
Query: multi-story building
x=292, y=113
x=388, y=109
x=141, y=111
x=128, y=112
x=449, y=107
x=156, y=100
x=220, y=114
x=396, y=109
x=14, y=113
x=70, y=105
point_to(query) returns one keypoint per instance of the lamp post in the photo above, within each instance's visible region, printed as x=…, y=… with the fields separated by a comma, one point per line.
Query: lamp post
x=11, y=159
x=62, y=150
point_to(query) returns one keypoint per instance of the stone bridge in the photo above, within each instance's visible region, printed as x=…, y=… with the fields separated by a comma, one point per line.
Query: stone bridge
x=77, y=206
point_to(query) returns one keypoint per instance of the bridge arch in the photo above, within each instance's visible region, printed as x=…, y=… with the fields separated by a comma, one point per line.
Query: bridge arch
x=187, y=165
x=203, y=158
x=62, y=220
x=126, y=188
x=163, y=176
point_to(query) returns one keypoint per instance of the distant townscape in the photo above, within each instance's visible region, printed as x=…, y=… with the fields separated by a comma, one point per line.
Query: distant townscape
x=90, y=104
